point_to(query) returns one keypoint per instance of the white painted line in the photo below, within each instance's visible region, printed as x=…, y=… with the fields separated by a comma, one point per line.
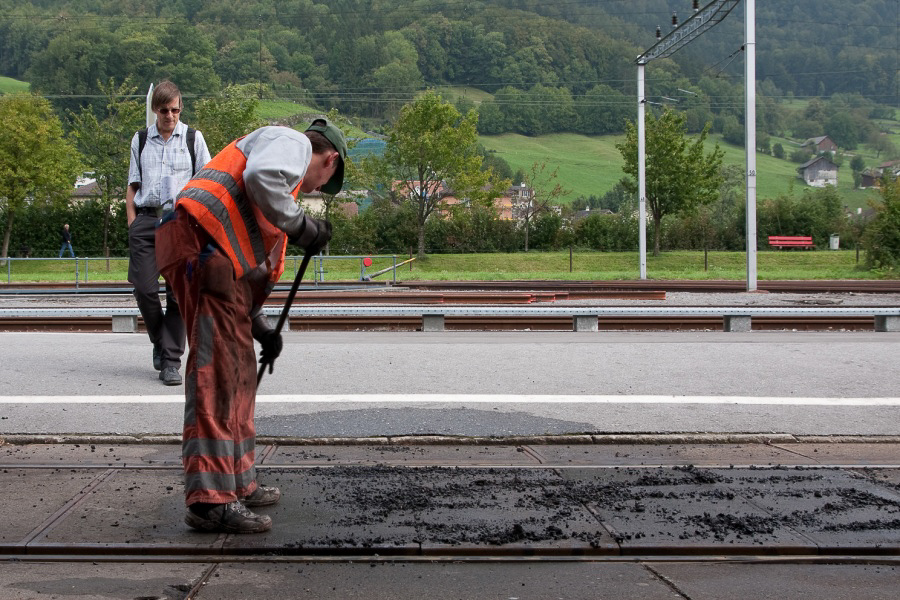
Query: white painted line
x=466, y=399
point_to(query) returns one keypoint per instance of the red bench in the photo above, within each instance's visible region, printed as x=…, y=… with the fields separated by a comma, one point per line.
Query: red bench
x=791, y=241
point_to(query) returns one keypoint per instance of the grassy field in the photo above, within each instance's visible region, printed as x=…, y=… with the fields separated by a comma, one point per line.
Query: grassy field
x=274, y=110
x=587, y=165
x=603, y=266
x=271, y=110
x=593, y=165
x=9, y=85
x=451, y=93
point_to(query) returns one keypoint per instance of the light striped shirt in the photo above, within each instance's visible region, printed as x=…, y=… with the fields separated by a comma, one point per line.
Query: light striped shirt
x=165, y=166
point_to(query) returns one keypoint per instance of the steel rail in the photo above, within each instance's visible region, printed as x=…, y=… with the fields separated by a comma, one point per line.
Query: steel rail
x=408, y=323
x=475, y=323
x=723, y=286
x=111, y=554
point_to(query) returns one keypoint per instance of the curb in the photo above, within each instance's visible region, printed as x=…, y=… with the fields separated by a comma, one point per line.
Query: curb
x=446, y=440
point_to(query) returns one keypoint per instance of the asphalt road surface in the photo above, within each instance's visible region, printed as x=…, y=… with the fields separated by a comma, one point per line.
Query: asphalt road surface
x=361, y=384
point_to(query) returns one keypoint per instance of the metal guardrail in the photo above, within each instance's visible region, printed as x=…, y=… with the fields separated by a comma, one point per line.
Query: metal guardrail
x=82, y=265
x=584, y=318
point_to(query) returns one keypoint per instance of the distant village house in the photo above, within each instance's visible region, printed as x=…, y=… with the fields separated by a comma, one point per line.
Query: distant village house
x=820, y=144
x=869, y=178
x=506, y=205
x=345, y=203
x=819, y=172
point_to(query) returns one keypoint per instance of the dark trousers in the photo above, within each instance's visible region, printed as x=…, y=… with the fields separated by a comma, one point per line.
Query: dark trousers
x=165, y=328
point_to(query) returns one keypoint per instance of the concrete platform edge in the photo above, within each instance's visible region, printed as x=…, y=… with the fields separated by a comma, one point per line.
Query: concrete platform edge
x=437, y=440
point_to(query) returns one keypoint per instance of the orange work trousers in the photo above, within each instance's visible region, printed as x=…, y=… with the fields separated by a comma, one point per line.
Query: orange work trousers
x=219, y=437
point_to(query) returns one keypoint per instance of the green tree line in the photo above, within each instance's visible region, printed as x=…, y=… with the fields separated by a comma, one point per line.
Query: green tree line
x=389, y=227
x=551, y=66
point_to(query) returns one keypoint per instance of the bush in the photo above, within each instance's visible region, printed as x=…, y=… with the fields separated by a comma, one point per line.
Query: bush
x=476, y=229
x=800, y=156
x=733, y=131
x=546, y=232
x=610, y=233
x=38, y=227
x=817, y=213
x=882, y=237
x=778, y=150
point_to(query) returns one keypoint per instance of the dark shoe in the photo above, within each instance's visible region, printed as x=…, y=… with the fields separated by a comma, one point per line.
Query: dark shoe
x=263, y=495
x=170, y=376
x=157, y=357
x=226, y=518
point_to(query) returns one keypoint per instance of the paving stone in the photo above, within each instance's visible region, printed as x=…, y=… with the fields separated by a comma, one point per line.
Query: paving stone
x=435, y=509
x=131, y=508
x=29, y=497
x=666, y=454
x=415, y=581
x=105, y=455
x=889, y=478
x=729, y=581
x=848, y=453
x=837, y=509
x=681, y=509
x=98, y=581
x=401, y=455
x=320, y=509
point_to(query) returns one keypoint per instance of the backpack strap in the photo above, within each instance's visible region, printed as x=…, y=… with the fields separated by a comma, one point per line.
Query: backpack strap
x=191, y=136
x=142, y=141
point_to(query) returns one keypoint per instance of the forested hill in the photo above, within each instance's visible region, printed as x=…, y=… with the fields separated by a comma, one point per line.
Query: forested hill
x=369, y=56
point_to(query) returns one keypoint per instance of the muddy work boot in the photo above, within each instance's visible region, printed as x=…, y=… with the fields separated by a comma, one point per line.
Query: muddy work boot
x=226, y=518
x=263, y=495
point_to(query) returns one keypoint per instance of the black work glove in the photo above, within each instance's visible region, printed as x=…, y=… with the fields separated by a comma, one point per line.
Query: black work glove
x=313, y=235
x=271, y=348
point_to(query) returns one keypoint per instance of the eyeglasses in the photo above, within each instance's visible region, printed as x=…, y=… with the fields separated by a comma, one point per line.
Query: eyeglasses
x=165, y=111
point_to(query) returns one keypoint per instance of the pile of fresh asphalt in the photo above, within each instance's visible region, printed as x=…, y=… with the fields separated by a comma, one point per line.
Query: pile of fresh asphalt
x=471, y=506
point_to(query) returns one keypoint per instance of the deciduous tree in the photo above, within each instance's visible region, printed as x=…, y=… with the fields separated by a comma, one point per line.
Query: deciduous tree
x=882, y=237
x=37, y=162
x=223, y=119
x=105, y=144
x=432, y=151
x=543, y=190
x=678, y=173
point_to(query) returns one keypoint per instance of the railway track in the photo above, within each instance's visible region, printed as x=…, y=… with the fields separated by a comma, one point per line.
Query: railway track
x=468, y=293
x=709, y=286
x=500, y=323
x=599, y=512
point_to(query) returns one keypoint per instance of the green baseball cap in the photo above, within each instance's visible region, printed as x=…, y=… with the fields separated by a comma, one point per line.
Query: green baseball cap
x=333, y=135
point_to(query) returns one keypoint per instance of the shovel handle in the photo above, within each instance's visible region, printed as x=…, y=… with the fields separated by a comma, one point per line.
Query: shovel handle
x=287, y=307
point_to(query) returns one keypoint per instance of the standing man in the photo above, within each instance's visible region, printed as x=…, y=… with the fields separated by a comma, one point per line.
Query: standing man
x=222, y=252
x=163, y=159
x=66, y=241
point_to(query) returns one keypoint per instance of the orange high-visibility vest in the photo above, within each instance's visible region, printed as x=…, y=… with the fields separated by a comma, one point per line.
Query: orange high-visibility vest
x=215, y=197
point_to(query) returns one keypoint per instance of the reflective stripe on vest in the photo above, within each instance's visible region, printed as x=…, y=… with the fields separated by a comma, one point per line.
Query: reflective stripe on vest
x=216, y=199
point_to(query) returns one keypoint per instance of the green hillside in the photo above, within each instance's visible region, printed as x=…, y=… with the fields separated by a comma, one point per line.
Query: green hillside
x=593, y=165
x=587, y=165
x=8, y=85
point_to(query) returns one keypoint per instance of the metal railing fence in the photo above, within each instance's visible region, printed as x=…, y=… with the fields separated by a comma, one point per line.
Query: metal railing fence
x=116, y=268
